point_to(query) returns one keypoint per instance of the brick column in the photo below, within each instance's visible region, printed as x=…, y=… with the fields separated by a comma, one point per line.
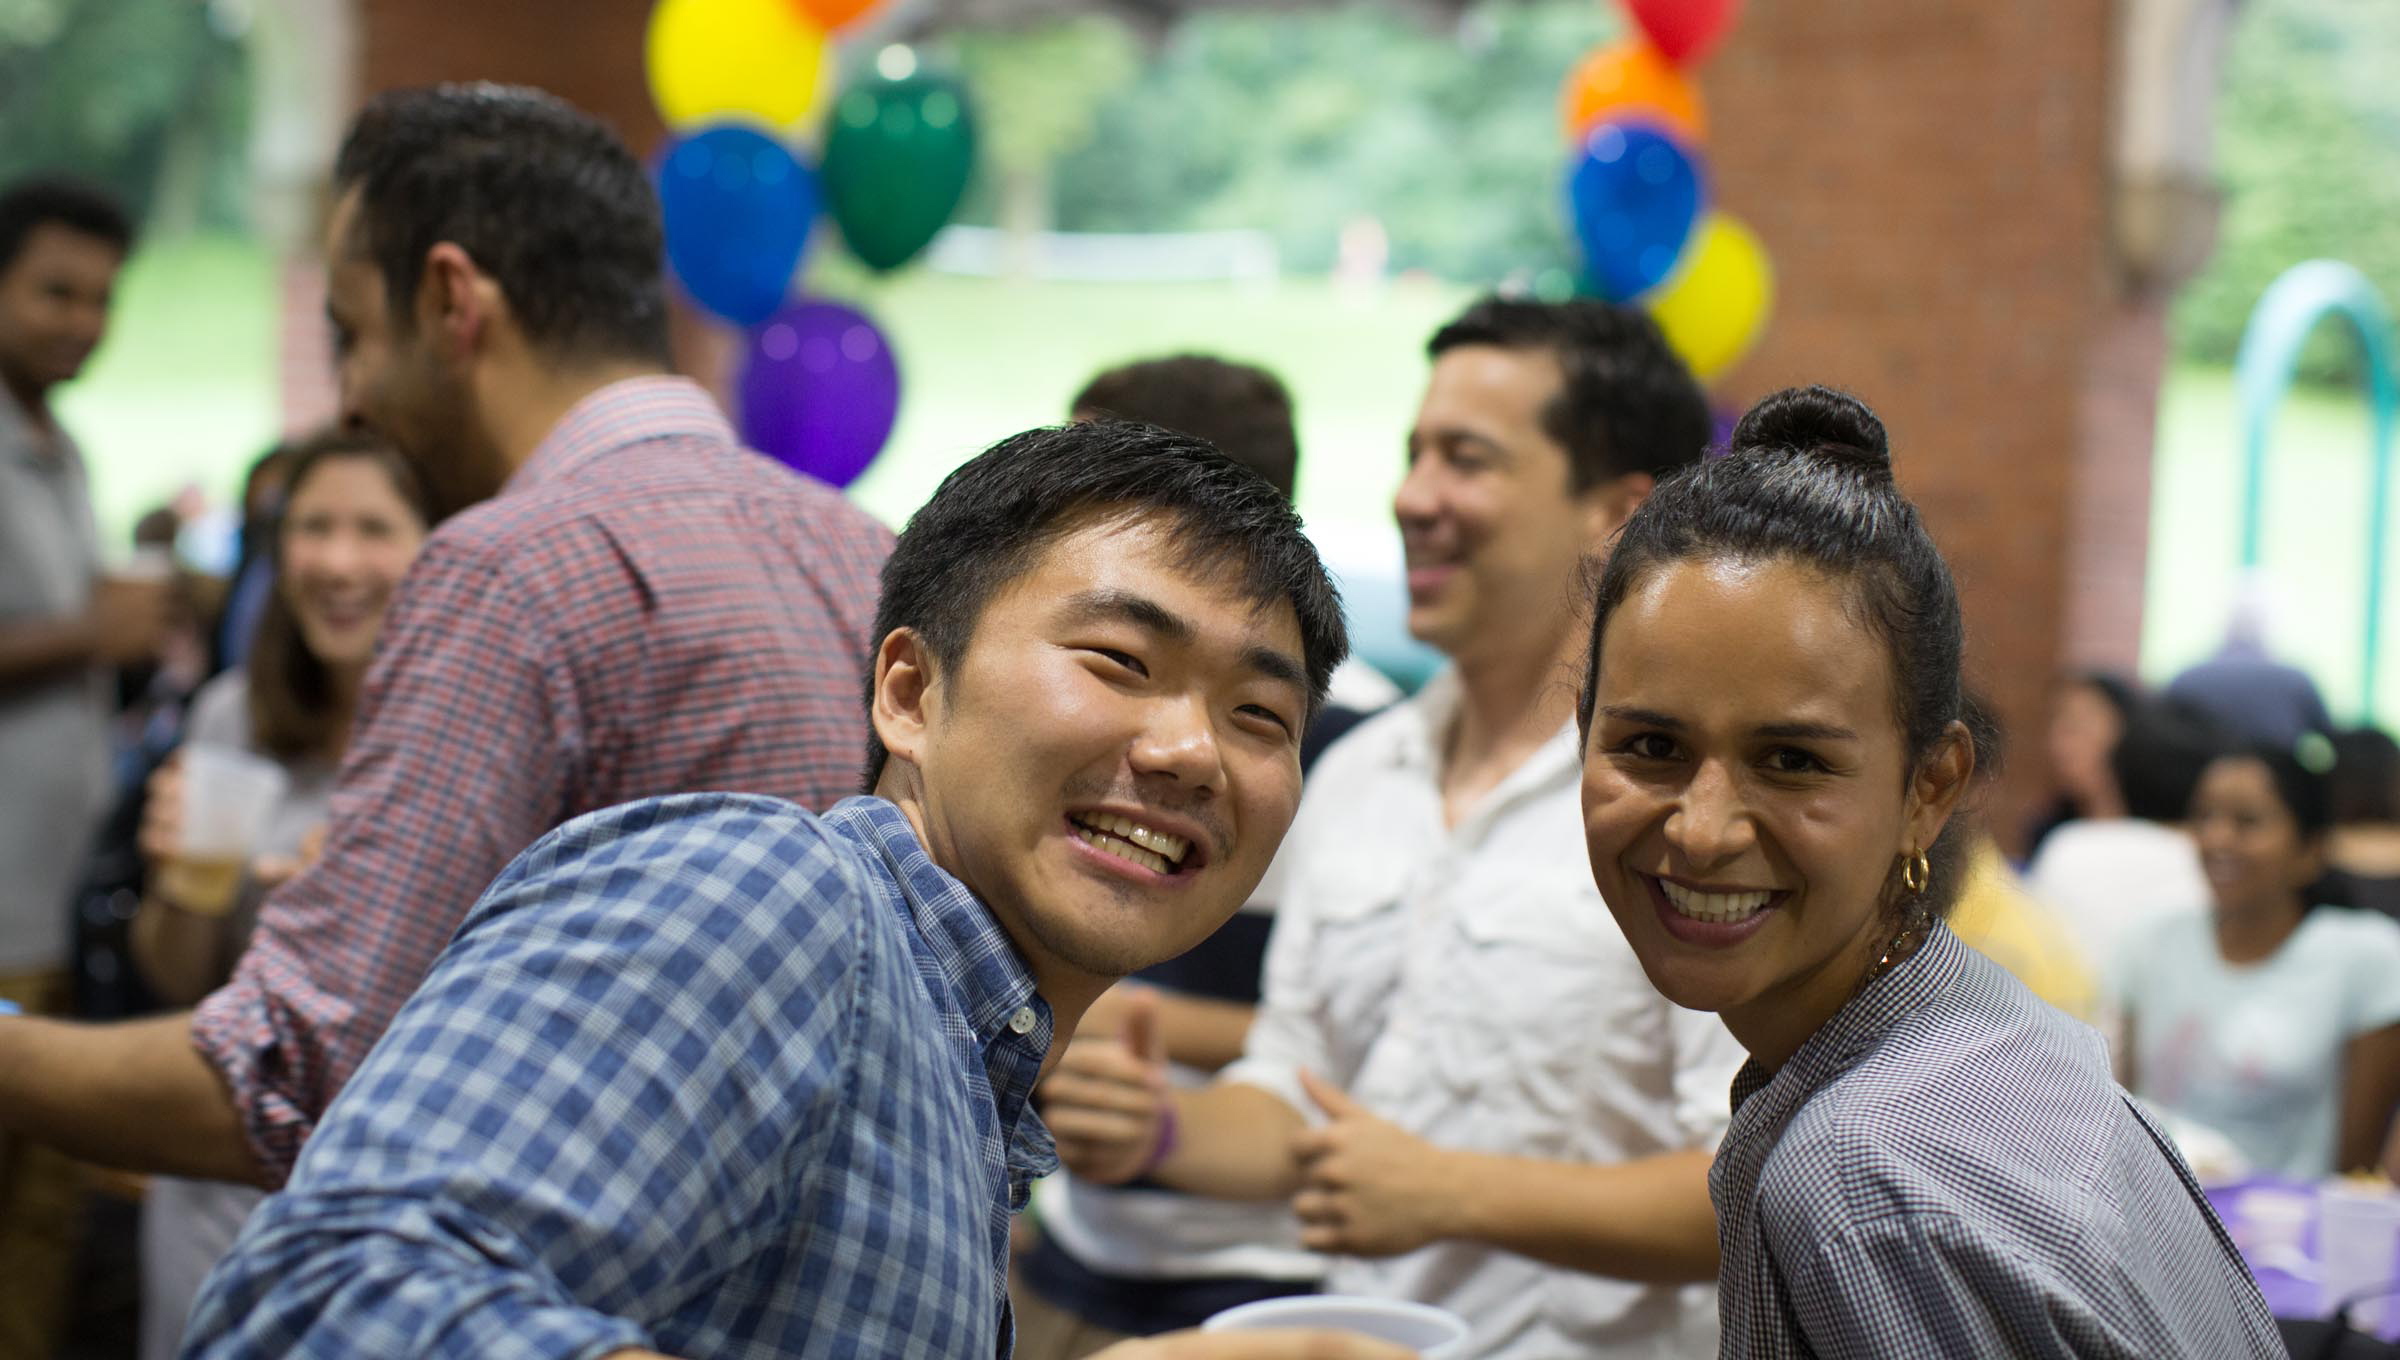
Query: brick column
x=1930, y=181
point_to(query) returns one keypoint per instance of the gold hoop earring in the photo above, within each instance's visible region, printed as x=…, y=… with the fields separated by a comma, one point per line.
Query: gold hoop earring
x=1916, y=873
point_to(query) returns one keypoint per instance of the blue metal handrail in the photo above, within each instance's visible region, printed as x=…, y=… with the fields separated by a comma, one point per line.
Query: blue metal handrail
x=2293, y=305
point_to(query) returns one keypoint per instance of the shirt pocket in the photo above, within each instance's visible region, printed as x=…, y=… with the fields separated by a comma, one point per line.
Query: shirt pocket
x=1355, y=955
x=1549, y=1019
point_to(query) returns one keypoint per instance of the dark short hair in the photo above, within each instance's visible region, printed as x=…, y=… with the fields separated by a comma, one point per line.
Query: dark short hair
x=990, y=520
x=1809, y=480
x=2159, y=757
x=54, y=200
x=294, y=707
x=1241, y=409
x=1625, y=403
x=2366, y=776
x=543, y=197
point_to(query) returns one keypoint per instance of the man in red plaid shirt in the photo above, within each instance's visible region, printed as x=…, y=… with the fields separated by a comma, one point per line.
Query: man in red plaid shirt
x=625, y=603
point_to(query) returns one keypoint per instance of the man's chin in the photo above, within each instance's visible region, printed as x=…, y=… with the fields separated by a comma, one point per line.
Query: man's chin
x=1105, y=953
x=1433, y=625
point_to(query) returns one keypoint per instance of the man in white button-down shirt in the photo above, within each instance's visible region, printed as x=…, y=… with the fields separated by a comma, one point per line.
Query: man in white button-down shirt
x=1459, y=1075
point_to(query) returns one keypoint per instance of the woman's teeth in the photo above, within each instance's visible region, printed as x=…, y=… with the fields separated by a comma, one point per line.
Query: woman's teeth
x=1722, y=908
x=1131, y=841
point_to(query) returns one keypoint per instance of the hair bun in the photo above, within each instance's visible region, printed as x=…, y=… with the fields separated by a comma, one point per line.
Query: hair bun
x=1820, y=422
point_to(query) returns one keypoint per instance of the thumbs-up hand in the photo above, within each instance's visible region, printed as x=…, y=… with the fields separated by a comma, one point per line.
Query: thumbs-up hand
x=1366, y=1187
x=1106, y=1102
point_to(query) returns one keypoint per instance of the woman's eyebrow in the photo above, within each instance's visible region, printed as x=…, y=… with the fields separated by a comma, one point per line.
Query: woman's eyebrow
x=1807, y=731
x=1782, y=731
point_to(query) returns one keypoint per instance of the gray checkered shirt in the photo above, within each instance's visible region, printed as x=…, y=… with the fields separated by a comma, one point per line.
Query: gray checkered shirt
x=1946, y=1169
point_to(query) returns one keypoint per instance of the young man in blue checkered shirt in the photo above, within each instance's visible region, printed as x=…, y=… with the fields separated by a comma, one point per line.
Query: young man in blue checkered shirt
x=710, y=1075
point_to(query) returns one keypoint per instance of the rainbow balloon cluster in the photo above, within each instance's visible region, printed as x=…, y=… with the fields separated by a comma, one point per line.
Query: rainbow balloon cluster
x=742, y=86
x=1637, y=187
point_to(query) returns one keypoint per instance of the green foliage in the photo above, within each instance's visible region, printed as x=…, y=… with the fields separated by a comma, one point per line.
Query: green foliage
x=144, y=97
x=1296, y=123
x=1038, y=90
x=2308, y=147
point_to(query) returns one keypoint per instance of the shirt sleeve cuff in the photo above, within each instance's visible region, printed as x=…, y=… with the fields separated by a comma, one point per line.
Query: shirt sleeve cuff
x=1275, y=1077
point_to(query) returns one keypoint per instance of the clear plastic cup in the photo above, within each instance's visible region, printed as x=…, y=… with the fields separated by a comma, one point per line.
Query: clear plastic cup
x=1433, y=1333
x=2358, y=1251
x=2269, y=1221
x=228, y=796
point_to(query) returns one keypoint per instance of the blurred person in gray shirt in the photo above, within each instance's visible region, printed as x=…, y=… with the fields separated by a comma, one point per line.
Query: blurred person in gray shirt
x=62, y=627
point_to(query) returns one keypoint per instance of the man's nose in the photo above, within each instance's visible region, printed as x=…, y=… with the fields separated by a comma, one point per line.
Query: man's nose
x=1415, y=501
x=1178, y=740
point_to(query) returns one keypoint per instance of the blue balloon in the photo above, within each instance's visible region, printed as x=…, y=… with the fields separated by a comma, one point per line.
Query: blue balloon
x=738, y=209
x=1635, y=194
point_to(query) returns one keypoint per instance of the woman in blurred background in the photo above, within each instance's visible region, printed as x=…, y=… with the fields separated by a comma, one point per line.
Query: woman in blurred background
x=2268, y=1019
x=2087, y=715
x=353, y=519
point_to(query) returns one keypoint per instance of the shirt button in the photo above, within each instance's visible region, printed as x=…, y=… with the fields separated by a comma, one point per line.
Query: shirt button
x=1023, y=1021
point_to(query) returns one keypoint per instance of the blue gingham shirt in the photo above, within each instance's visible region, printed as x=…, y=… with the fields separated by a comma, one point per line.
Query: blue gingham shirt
x=704, y=1074
x=1946, y=1169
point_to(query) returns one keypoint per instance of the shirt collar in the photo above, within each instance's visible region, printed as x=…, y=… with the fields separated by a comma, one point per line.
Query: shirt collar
x=978, y=960
x=1418, y=745
x=660, y=406
x=20, y=435
x=1763, y=1100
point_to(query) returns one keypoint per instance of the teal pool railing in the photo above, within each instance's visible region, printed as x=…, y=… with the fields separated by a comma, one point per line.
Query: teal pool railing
x=2304, y=295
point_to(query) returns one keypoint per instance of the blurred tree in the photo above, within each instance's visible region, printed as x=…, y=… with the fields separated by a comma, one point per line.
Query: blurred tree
x=1298, y=123
x=1039, y=91
x=148, y=98
x=2308, y=145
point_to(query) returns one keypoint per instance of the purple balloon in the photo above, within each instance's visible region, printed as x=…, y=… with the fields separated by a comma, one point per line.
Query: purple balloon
x=820, y=390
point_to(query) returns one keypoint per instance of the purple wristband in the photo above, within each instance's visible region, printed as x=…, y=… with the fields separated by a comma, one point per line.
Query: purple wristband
x=1165, y=1146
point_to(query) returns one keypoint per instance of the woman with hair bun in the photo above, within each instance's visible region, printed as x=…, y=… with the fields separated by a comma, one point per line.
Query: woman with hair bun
x=1924, y=1159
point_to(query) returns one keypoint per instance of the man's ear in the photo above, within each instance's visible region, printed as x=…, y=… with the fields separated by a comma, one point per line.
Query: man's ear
x=904, y=694
x=1611, y=503
x=1941, y=782
x=456, y=302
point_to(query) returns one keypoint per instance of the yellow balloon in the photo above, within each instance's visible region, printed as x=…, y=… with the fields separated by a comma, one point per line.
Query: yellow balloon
x=753, y=60
x=1715, y=307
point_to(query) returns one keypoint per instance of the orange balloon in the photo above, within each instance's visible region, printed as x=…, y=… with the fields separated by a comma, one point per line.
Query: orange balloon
x=1631, y=79
x=832, y=14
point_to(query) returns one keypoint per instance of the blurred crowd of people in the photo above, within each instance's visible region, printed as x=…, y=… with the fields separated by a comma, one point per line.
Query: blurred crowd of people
x=1629, y=990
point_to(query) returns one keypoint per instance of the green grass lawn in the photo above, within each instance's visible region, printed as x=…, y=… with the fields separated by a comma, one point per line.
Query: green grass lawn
x=185, y=390
x=185, y=393
x=983, y=357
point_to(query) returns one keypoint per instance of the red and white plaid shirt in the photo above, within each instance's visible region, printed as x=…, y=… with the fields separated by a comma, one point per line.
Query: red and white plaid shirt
x=647, y=608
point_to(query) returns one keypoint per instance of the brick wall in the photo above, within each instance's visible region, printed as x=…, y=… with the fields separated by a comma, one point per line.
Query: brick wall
x=588, y=52
x=1930, y=180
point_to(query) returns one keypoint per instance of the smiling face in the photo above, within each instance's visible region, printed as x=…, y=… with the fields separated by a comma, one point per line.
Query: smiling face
x=2252, y=851
x=1115, y=757
x=1493, y=529
x=1746, y=793
x=348, y=537
x=54, y=305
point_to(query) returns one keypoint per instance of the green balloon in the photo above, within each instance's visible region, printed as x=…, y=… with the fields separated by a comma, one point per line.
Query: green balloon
x=897, y=157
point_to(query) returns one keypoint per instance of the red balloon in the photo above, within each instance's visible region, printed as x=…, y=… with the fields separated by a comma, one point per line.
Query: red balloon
x=1684, y=29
